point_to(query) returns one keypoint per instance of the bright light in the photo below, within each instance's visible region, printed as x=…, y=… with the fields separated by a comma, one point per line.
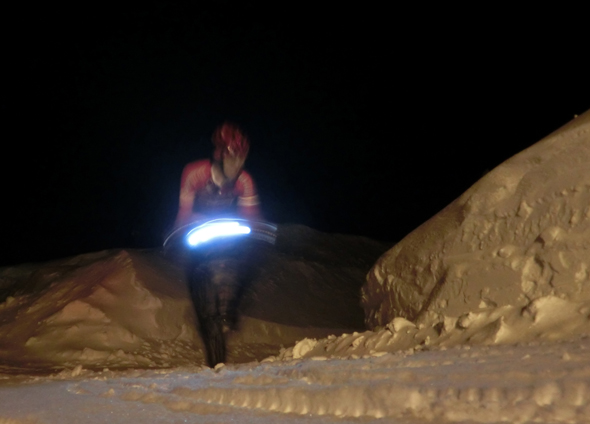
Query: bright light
x=207, y=232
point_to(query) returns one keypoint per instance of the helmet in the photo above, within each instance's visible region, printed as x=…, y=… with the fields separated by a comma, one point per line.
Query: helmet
x=229, y=138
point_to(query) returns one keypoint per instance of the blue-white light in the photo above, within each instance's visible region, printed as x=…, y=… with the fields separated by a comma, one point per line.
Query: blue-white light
x=217, y=229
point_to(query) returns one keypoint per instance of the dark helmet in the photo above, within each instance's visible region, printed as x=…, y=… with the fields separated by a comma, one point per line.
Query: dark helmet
x=229, y=139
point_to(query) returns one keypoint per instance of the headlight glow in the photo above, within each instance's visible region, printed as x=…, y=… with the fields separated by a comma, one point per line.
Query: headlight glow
x=218, y=229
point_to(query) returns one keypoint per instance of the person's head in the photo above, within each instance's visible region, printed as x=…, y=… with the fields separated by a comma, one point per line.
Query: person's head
x=231, y=148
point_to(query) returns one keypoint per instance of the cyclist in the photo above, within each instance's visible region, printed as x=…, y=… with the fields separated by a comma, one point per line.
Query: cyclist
x=219, y=186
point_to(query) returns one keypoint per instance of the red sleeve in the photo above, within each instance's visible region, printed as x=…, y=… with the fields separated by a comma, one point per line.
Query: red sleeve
x=248, y=202
x=194, y=177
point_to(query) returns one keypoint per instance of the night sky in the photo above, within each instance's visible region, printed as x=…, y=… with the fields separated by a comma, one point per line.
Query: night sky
x=361, y=121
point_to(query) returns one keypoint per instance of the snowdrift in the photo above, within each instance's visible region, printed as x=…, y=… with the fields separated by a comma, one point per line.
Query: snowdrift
x=511, y=255
x=131, y=308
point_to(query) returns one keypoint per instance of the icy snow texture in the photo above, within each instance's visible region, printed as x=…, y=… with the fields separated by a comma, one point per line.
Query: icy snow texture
x=519, y=234
x=539, y=383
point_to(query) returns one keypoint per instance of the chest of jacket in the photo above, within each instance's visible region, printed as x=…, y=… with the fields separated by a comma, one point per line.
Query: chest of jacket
x=216, y=200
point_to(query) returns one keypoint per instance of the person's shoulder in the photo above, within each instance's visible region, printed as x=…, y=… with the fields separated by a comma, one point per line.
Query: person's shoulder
x=245, y=175
x=245, y=181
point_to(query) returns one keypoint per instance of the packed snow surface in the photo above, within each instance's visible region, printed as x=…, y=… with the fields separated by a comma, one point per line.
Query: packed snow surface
x=481, y=315
x=534, y=382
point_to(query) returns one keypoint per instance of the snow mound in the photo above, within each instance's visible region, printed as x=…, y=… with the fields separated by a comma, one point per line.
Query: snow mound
x=126, y=308
x=510, y=255
x=107, y=309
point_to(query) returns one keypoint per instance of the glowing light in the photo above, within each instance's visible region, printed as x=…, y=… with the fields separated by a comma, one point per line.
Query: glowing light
x=210, y=231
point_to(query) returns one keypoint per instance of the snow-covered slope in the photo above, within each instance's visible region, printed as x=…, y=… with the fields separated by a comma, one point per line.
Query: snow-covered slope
x=513, y=251
x=131, y=308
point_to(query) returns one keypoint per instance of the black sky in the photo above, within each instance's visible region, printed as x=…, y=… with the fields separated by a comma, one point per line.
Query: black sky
x=362, y=121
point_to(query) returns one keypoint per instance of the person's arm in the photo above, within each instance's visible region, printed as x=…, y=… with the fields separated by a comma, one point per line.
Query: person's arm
x=191, y=181
x=248, y=201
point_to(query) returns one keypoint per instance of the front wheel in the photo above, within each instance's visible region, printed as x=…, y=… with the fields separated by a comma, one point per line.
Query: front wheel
x=210, y=304
x=214, y=340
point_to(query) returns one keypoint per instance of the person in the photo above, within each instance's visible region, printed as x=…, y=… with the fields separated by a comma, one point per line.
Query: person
x=219, y=187
x=218, y=275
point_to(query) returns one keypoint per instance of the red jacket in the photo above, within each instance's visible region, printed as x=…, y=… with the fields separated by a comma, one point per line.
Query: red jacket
x=201, y=197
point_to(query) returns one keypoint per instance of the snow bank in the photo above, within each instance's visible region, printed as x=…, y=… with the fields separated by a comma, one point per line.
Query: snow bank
x=131, y=308
x=512, y=252
x=111, y=308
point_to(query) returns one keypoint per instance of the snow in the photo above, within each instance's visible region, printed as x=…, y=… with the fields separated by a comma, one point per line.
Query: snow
x=519, y=233
x=534, y=382
x=480, y=315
